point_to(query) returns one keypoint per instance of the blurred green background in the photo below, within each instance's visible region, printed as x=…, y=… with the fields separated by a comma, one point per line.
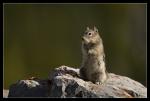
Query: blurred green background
x=40, y=37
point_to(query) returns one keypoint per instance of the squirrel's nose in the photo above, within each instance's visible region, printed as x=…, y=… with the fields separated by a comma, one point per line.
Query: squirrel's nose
x=82, y=38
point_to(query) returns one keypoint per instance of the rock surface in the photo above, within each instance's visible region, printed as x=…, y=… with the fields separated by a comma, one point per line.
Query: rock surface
x=65, y=82
x=30, y=88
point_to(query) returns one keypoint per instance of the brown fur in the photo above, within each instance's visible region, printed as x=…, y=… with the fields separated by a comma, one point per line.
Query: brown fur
x=93, y=57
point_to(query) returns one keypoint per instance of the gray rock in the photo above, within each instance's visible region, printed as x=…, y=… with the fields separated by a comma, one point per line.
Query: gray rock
x=30, y=88
x=65, y=82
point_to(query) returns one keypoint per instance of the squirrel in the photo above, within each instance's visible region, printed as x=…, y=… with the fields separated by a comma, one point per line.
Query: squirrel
x=93, y=57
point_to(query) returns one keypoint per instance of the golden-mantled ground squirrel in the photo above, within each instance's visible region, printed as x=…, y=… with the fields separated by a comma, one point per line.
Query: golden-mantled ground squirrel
x=93, y=57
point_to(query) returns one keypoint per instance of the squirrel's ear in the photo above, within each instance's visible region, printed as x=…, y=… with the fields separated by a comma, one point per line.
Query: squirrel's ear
x=87, y=28
x=95, y=29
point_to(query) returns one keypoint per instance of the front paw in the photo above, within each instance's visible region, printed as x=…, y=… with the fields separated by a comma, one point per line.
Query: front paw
x=92, y=52
x=99, y=83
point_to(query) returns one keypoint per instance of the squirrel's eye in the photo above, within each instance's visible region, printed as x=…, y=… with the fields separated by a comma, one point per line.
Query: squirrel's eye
x=89, y=34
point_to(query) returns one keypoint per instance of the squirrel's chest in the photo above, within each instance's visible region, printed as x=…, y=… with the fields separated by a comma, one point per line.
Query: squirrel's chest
x=92, y=64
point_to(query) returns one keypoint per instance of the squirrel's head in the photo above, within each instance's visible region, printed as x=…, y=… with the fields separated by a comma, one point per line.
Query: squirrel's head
x=91, y=36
